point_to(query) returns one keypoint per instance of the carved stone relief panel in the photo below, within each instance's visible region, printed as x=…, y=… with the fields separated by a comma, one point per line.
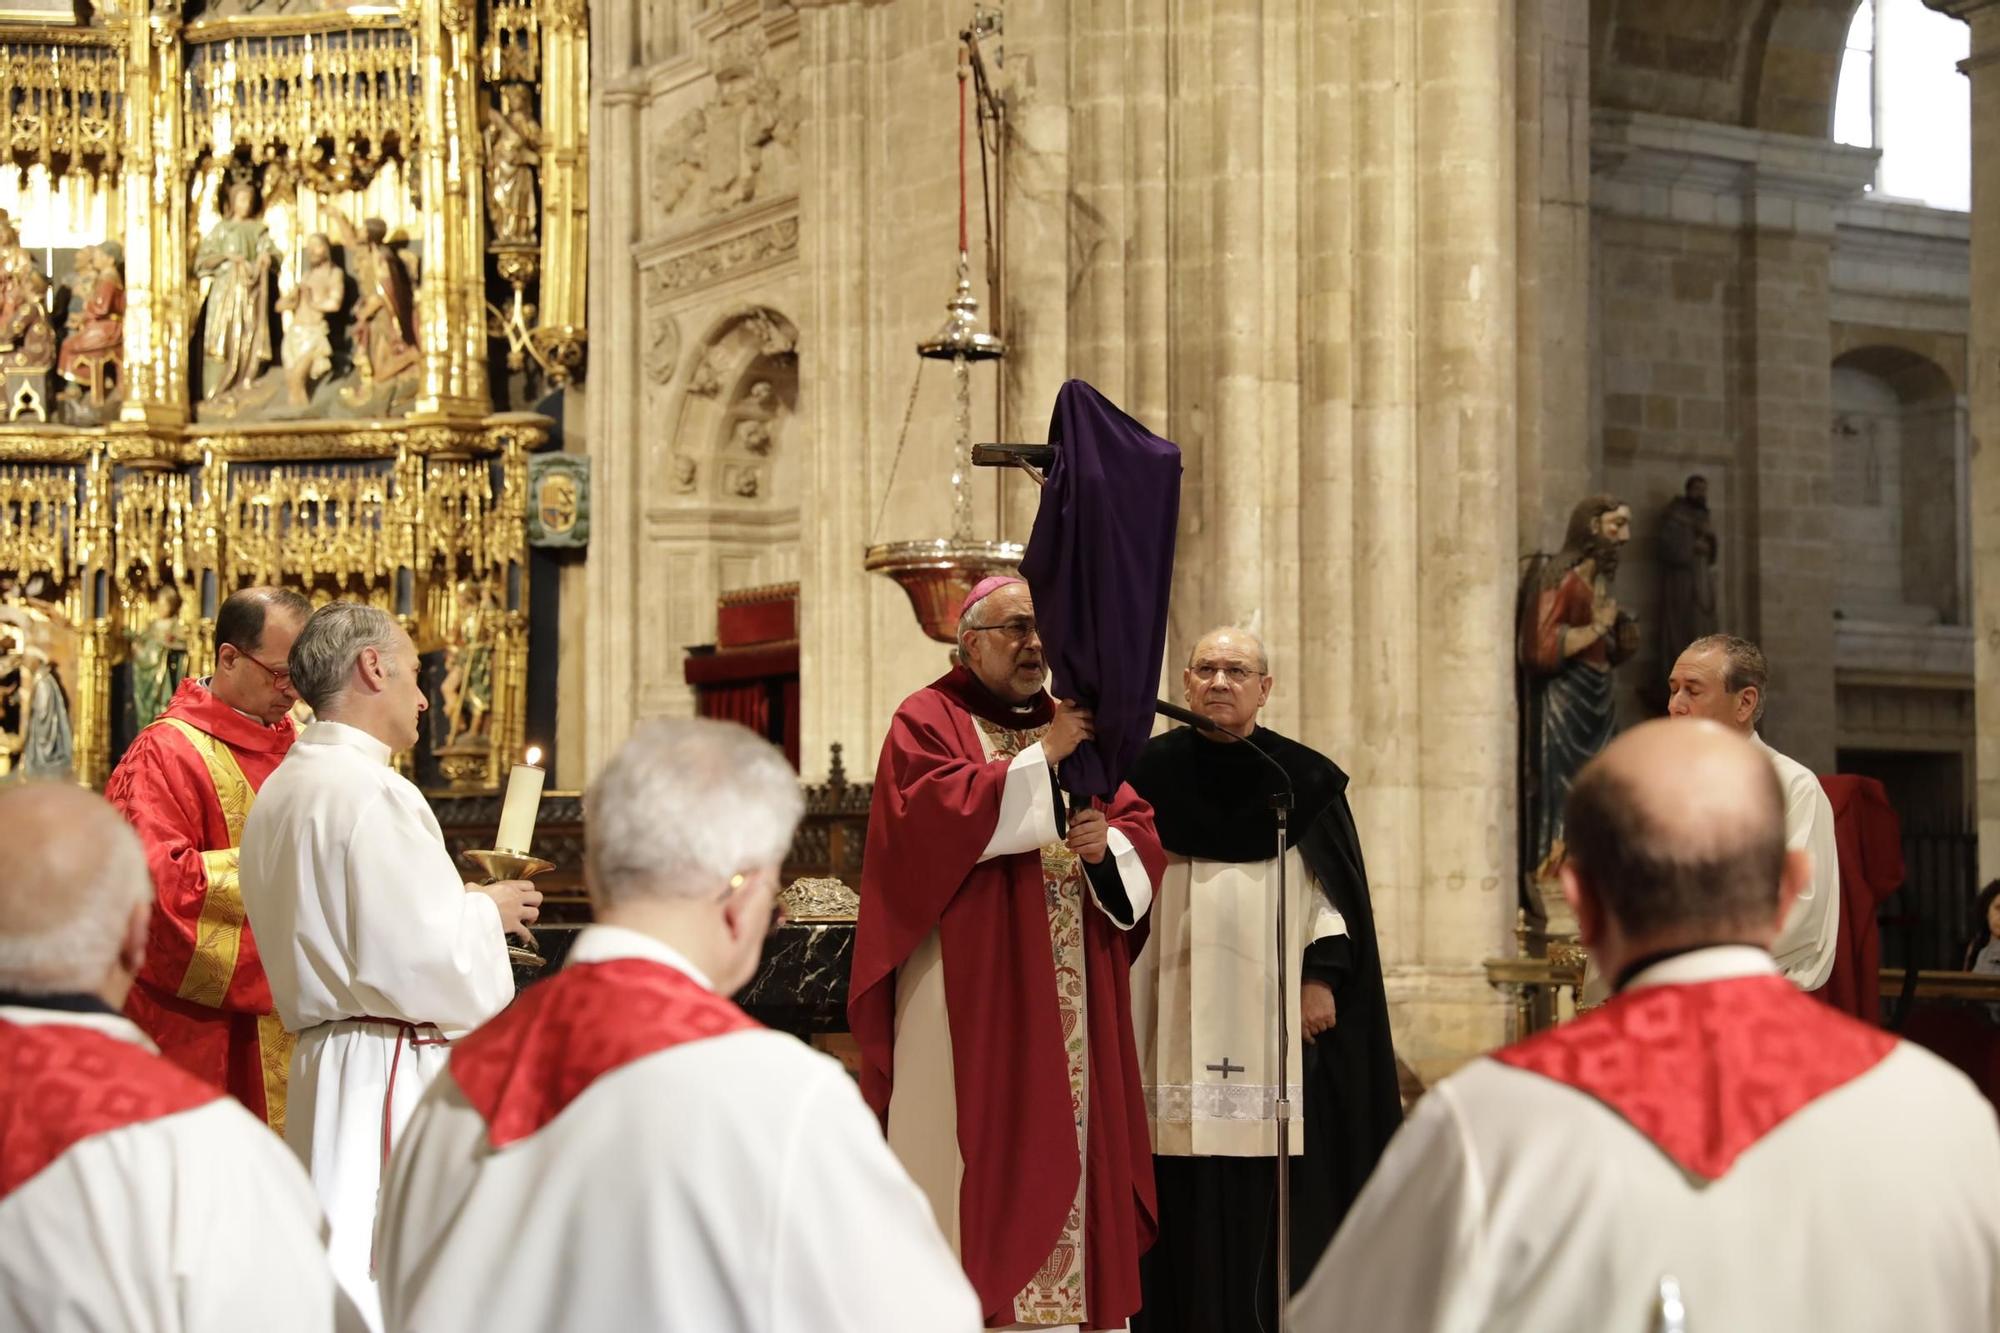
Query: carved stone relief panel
x=737, y=147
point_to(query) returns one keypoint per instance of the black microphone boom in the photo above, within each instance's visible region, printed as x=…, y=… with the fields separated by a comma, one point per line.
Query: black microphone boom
x=1187, y=715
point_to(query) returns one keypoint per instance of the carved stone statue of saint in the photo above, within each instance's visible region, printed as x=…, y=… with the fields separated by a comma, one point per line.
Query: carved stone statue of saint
x=1687, y=570
x=308, y=349
x=159, y=658
x=1570, y=635
x=236, y=257
x=385, y=316
x=513, y=150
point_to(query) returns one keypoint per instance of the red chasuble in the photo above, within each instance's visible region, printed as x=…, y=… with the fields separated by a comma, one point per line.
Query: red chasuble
x=186, y=784
x=936, y=804
x=62, y=1084
x=1706, y=1070
x=543, y=1051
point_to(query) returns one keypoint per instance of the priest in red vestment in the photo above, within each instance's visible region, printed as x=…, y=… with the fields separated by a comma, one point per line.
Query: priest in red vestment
x=990, y=994
x=186, y=784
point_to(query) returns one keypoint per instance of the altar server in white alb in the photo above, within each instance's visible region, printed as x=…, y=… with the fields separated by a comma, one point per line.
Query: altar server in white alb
x=133, y=1196
x=378, y=952
x=1725, y=679
x=667, y=1163
x=1709, y=1149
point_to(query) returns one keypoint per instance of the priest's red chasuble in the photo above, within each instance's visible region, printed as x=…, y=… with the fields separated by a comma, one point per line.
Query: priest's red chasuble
x=1055, y=1203
x=186, y=784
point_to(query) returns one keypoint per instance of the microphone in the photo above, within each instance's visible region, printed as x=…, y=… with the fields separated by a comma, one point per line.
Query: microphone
x=1187, y=715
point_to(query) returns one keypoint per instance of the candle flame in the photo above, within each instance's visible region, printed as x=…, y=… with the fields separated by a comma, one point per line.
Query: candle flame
x=534, y=755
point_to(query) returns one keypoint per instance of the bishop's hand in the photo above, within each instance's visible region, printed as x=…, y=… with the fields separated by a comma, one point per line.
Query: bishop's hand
x=1089, y=835
x=1074, y=724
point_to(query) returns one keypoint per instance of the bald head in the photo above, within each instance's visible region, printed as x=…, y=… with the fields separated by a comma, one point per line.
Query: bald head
x=1228, y=678
x=1676, y=836
x=74, y=902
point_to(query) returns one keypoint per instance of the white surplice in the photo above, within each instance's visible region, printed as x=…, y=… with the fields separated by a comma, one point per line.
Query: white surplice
x=1805, y=944
x=196, y=1222
x=1509, y=1201
x=1204, y=1000
x=734, y=1184
x=359, y=913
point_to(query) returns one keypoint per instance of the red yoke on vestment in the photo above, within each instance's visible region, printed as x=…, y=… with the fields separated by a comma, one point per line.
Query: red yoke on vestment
x=936, y=803
x=61, y=1084
x=186, y=784
x=544, y=1050
x=1706, y=1070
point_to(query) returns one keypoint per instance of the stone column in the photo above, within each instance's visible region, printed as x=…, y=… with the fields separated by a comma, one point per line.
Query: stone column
x=1465, y=461
x=835, y=602
x=612, y=420
x=1983, y=68
x=1558, y=457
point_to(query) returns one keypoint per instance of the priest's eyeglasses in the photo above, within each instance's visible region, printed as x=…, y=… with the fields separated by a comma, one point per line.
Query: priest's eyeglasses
x=1235, y=675
x=280, y=676
x=1017, y=628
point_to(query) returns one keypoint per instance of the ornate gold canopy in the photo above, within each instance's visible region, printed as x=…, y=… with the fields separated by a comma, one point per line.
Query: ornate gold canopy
x=277, y=281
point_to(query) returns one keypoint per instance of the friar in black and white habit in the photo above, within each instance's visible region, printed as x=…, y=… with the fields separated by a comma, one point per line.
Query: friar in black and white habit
x=1204, y=999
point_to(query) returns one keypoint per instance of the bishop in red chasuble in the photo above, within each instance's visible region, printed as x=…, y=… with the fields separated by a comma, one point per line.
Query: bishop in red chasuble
x=990, y=995
x=186, y=784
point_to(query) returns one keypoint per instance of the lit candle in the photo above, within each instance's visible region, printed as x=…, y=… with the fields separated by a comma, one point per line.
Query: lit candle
x=524, y=801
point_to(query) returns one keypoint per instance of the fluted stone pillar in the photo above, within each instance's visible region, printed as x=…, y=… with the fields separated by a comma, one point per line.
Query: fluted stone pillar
x=835, y=601
x=613, y=407
x=1983, y=402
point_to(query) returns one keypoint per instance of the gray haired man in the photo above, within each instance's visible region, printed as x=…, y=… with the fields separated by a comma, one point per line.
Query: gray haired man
x=133, y=1195
x=377, y=950
x=627, y=1101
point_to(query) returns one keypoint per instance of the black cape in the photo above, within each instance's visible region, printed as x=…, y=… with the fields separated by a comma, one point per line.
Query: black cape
x=1211, y=801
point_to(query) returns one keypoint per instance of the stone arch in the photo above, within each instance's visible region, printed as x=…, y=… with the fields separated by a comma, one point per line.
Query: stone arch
x=1791, y=86
x=1768, y=64
x=1900, y=486
x=741, y=391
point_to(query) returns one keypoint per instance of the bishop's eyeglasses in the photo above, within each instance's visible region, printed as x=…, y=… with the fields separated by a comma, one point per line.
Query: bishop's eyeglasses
x=1017, y=628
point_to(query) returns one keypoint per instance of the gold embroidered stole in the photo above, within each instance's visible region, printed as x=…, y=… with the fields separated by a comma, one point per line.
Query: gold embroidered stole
x=1055, y=1295
x=218, y=940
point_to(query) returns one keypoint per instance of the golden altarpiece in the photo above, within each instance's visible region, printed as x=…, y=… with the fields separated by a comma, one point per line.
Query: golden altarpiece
x=277, y=281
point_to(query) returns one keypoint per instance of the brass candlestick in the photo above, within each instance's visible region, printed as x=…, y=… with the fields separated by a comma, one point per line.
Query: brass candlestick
x=498, y=865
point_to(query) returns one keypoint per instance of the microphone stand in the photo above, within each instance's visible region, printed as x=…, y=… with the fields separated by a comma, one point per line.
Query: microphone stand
x=1282, y=802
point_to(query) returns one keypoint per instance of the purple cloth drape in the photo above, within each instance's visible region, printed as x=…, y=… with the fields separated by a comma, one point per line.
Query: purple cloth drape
x=1100, y=564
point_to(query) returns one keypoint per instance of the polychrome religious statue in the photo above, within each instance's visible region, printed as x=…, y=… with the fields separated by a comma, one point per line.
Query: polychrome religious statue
x=236, y=257
x=97, y=338
x=27, y=339
x=513, y=148
x=308, y=348
x=1570, y=635
x=385, y=316
x=159, y=658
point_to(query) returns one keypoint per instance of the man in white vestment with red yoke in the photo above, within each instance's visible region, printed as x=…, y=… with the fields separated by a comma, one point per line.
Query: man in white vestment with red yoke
x=624, y=1148
x=1710, y=1148
x=133, y=1195
x=377, y=950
